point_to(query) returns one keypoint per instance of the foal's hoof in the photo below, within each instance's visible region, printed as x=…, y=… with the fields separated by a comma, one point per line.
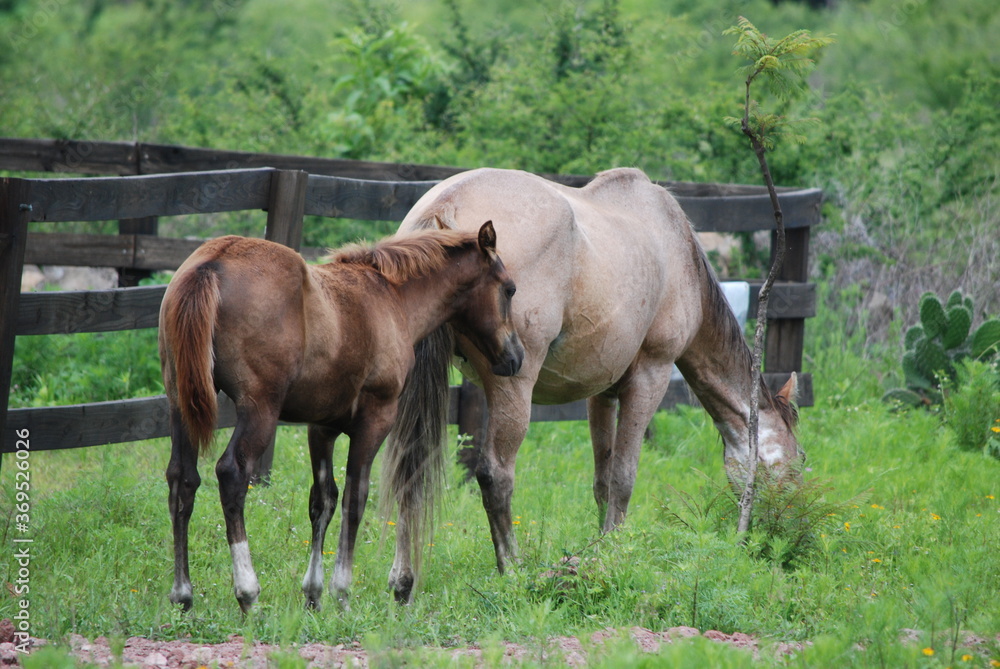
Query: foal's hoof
x=182, y=597
x=312, y=604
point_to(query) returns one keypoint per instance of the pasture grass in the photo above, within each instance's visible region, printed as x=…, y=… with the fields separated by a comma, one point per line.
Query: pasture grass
x=911, y=543
x=919, y=552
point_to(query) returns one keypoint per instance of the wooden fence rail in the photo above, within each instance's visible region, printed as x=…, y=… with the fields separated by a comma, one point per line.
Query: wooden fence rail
x=287, y=195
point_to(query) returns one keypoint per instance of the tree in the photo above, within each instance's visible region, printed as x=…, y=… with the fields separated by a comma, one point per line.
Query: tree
x=781, y=65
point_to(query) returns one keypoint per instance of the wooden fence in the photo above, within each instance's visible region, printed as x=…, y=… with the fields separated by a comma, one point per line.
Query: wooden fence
x=298, y=186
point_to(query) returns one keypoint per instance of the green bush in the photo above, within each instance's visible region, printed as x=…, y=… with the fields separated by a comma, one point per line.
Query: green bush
x=972, y=406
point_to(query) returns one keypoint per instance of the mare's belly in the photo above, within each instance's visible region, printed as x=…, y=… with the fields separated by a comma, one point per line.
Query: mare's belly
x=582, y=368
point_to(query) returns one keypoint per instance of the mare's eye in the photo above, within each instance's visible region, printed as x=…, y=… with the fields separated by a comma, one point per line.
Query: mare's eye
x=509, y=291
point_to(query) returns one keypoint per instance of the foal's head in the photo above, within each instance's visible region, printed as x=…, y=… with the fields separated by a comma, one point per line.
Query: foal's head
x=483, y=312
x=778, y=450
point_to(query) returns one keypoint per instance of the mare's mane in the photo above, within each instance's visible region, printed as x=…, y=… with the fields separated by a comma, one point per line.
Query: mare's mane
x=732, y=340
x=405, y=257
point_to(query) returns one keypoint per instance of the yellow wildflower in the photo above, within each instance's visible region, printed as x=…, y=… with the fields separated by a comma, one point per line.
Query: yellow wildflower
x=995, y=663
x=966, y=658
x=389, y=522
x=876, y=560
x=934, y=516
x=928, y=651
x=847, y=527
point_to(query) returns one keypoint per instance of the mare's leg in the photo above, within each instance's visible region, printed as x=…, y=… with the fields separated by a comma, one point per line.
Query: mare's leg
x=509, y=402
x=183, y=480
x=602, y=413
x=322, y=502
x=640, y=393
x=255, y=426
x=366, y=437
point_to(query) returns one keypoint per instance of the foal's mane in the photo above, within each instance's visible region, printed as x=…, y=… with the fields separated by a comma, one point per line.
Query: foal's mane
x=404, y=257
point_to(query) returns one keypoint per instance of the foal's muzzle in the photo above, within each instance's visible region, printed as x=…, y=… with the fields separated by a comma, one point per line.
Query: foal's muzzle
x=511, y=357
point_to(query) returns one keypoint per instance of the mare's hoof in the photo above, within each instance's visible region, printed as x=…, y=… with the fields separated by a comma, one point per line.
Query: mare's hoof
x=402, y=590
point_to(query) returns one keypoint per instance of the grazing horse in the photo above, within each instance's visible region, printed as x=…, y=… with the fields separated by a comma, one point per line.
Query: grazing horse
x=329, y=345
x=615, y=290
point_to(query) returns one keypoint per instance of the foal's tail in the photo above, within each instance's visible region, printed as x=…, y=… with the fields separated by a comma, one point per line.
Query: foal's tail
x=188, y=320
x=413, y=468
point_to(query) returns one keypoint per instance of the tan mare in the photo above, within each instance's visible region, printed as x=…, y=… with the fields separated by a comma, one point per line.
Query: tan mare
x=328, y=345
x=615, y=290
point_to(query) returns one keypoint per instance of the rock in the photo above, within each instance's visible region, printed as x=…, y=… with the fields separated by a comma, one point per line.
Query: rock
x=6, y=631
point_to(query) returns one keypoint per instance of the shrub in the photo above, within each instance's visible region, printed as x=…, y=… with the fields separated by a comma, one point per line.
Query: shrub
x=972, y=408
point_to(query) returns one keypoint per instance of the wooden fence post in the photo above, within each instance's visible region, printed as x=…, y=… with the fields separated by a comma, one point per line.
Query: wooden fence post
x=473, y=414
x=15, y=208
x=129, y=277
x=786, y=337
x=286, y=205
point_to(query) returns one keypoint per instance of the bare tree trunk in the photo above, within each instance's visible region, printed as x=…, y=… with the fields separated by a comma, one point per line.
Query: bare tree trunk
x=750, y=491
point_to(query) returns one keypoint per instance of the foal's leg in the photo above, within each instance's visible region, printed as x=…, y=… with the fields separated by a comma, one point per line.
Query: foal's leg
x=255, y=426
x=640, y=394
x=401, y=576
x=322, y=501
x=602, y=414
x=183, y=480
x=510, y=412
x=366, y=438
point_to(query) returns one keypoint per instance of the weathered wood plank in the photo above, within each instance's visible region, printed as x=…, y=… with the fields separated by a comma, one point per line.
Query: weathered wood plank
x=338, y=197
x=136, y=251
x=68, y=156
x=788, y=300
x=160, y=159
x=89, y=310
x=109, y=198
x=99, y=423
x=47, y=248
x=678, y=393
x=163, y=252
x=749, y=213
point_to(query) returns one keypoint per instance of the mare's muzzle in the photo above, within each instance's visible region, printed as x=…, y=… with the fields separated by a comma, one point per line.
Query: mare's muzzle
x=511, y=357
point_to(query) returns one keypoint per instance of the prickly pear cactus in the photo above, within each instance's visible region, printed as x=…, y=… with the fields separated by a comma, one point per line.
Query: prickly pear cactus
x=937, y=344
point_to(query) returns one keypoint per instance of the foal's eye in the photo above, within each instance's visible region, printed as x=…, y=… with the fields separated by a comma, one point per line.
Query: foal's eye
x=509, y=291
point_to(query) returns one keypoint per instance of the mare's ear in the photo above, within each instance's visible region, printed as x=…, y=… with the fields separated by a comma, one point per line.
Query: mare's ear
x=439, y=222
x=790, y=391
x=488, y=238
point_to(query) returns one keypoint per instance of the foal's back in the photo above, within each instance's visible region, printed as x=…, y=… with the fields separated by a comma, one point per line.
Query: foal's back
x=285, y=329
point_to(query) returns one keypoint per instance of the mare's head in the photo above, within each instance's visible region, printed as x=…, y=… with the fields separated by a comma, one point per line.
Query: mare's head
x=483, y=311
x=778, y=450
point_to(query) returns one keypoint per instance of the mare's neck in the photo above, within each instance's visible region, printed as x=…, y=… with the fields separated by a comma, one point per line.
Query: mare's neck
x=717, y=365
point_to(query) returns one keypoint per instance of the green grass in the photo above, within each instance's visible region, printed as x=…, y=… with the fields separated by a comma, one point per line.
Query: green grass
x=919, y=552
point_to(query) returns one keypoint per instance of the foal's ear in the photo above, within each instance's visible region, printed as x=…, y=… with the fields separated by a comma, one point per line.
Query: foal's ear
x=488, y=238
x=439, y=223
x=790, y=391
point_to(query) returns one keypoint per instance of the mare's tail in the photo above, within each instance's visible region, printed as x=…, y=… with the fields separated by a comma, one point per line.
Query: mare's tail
x=413, y=468
x=188, y=324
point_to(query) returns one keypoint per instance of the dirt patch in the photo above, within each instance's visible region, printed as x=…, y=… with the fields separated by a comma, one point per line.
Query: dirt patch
x=238, y=653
